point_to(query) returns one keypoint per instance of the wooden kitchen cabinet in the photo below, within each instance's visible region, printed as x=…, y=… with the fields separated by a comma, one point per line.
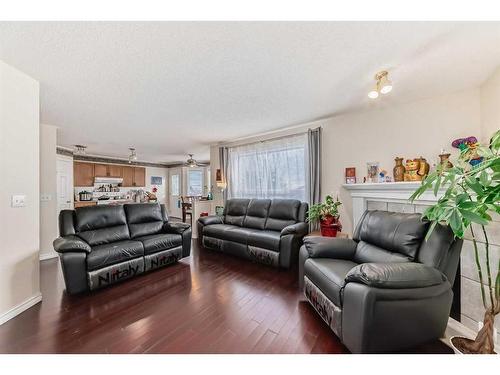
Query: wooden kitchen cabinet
x=128, y=176
x=83, y=174
x=139, y=176
x=108, y=170
x=115, y=170
x=100, y=170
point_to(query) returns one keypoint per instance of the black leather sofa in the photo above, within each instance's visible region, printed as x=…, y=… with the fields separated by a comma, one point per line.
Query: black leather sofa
x=263, y=230
x=101, y=245
x=387, y=289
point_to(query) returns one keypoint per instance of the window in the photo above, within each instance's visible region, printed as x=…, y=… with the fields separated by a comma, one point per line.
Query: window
x=174, y=188
x=195, y=182
x=269, y=169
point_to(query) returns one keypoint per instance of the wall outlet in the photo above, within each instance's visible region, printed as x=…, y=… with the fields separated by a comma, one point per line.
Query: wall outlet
x=45, y=197
x=18, y=201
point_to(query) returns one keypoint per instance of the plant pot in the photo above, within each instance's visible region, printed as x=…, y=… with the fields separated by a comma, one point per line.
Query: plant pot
x=330, y=225
x=456, y=341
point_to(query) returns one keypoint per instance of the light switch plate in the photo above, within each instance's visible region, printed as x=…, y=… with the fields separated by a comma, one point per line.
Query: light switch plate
x=19, y=201
x=45, y=197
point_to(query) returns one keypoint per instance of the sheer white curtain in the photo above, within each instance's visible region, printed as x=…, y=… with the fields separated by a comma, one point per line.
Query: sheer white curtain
x=269, y=169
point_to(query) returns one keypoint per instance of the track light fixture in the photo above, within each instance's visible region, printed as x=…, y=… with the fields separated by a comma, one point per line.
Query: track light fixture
x=79, y=150
x=383, y=85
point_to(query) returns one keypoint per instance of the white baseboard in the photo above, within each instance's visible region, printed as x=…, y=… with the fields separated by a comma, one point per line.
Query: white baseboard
x=16, y=310
x=48, y=255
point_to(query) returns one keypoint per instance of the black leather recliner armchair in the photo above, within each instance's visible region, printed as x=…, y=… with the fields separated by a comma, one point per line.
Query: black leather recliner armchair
x=102, y=245
x=263, y=230
x=387, y=289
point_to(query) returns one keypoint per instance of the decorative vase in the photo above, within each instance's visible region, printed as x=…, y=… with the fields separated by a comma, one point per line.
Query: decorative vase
x=444, y=160
x=330, y=225
x=399, y=170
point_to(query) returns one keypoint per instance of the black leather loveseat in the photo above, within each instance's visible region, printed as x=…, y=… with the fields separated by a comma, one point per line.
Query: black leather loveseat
x=263, y=230
x=101, y=245
x=388, y=288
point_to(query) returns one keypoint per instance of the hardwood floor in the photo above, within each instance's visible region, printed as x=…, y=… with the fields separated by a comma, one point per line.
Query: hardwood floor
x=208, y=303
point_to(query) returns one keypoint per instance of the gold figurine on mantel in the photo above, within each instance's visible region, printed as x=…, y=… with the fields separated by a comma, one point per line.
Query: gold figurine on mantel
x=416, y=169
x=399, y=170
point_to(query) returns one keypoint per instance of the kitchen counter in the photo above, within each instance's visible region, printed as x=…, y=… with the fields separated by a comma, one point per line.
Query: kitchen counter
x=95, y=202
x=84, y=203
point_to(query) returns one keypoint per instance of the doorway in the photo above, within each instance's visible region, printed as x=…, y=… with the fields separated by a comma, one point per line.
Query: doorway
x=65, y=193
x=175, y=191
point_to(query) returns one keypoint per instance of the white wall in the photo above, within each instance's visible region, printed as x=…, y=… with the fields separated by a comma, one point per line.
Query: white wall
x=416, y=129
x=490, y=105
x=19, y=162
x=412, y=130
x=162, y=193
x=48, y=188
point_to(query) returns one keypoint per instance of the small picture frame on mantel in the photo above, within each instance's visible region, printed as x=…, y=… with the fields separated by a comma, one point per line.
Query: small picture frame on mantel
x=372, y=170
x=350, y=175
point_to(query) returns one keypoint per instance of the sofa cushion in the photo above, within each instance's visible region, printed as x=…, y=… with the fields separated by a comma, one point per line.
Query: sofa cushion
x=329, y=276
x=158, y=242
x=393, y=231
x=282, y=212
x=228, y=232
x=99, y=225
x=235, y=211
x=144, y=219
x=112, y=253
x=257, y=212
x=266, y=239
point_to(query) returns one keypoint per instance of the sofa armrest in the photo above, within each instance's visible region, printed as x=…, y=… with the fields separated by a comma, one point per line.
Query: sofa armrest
x=330, y=247
x=300, y=229
x=209, y=220
x=177, y=228
x=71, y=243
x=395, y=275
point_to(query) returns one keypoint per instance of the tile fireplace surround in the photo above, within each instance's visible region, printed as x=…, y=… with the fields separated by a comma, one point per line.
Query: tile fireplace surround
x=393, y=196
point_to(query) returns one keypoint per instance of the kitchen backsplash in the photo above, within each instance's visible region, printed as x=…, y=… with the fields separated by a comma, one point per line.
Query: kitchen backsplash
x=124, y=192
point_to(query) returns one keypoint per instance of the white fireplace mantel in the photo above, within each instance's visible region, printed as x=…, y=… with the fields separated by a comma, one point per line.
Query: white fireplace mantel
x=389, y=192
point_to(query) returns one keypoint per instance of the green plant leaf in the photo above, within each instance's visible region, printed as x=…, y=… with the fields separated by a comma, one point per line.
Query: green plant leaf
x=474, y=185
x=474, y=217
x=456, y=223
x=437, y=185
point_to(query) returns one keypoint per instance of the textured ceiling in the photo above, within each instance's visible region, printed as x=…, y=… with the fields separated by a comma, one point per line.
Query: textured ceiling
x=172, y=88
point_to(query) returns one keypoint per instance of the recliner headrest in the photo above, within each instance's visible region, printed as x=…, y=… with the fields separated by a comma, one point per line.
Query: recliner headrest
x=97, y=217
x=392, y=231
x=143, y=212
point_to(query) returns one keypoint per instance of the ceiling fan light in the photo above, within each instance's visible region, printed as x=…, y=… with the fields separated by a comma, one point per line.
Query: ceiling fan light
x=373, y=94
x=191, y=163
x=386, y=86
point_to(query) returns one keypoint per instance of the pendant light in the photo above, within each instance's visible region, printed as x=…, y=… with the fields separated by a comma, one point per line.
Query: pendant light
x=133, y=155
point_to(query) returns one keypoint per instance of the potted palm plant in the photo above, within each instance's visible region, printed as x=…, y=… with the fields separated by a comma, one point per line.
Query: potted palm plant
x=327, y=214
x=471, y=195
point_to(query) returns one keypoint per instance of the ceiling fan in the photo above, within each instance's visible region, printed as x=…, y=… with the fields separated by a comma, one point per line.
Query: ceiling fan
x=192, y=163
